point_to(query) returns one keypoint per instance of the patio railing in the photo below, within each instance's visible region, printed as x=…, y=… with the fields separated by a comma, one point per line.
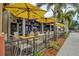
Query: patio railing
x=29, y=47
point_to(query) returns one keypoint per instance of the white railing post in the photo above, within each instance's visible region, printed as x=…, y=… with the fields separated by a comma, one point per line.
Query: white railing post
x=23, y=27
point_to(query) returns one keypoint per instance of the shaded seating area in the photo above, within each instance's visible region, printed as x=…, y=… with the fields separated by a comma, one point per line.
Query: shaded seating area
x=25, y=41
x=28, y=45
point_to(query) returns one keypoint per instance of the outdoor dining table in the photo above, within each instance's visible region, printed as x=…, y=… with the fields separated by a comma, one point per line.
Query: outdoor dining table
x=25, y=37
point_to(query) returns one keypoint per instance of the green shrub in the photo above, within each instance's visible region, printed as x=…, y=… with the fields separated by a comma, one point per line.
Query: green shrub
x=38, y=54
x=66, y=34
x=55, y=45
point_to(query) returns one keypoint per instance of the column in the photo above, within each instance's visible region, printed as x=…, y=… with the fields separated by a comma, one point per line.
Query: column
x=23, y=27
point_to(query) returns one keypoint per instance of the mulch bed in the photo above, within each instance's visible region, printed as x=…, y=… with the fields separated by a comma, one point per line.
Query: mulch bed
x=52, y=51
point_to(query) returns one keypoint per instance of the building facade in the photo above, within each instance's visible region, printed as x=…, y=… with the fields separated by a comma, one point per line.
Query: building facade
x=1, y=8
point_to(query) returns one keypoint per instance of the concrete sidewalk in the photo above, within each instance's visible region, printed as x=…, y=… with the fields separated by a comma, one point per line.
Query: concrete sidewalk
x=71, y=46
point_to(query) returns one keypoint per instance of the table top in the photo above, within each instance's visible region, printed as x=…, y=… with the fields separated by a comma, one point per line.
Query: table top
x=26, y=37
x=30, y=37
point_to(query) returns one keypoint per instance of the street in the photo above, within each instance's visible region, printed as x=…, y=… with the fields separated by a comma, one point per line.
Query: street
x=71, y=46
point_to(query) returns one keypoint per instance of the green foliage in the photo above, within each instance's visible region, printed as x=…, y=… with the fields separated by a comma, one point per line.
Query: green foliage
x=69, y=16
x=66, y=34
x=73, y=25
x=55, y=45
x=38, y=54
x=60, y=15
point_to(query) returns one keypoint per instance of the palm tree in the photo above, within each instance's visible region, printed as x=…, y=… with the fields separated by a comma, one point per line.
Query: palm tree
x=68, y=17
x=64, y=17
x=76, y=6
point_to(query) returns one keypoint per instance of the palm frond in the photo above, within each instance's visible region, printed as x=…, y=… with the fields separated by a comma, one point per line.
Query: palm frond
x=71, y=12
x=40, y=4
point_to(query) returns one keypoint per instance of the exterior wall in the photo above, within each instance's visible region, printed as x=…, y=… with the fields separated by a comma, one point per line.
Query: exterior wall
x=5, y=21
x=1, y=6
x=2, y=41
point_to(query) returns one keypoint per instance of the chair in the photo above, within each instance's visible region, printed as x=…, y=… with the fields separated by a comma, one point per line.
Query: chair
x=22, y=45
x=39, y=43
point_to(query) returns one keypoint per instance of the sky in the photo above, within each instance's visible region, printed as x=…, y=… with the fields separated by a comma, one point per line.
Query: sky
x=49, y=13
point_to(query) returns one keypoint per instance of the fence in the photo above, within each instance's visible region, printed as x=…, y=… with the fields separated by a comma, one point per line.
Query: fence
x=29, y=47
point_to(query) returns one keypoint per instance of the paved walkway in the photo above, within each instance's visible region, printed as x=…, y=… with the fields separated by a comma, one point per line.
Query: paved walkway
x=71, y=46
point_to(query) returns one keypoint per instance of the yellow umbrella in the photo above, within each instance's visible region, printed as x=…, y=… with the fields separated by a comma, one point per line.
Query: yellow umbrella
x=46, y=20
x=59, y=24
x=25, y=10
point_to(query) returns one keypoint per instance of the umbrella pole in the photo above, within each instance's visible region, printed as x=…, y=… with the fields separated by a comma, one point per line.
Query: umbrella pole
x=50, y=28
x=32, y=27
x=42, y=28
x=28, y=15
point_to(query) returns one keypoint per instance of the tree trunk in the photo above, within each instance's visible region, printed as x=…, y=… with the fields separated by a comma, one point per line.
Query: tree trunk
x=55, y=27
x=66, y=26
x=55, y=32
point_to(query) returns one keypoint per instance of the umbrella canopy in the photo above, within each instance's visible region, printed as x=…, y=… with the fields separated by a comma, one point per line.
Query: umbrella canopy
x=46, y=20
x=25, y=10
x=59, y=24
